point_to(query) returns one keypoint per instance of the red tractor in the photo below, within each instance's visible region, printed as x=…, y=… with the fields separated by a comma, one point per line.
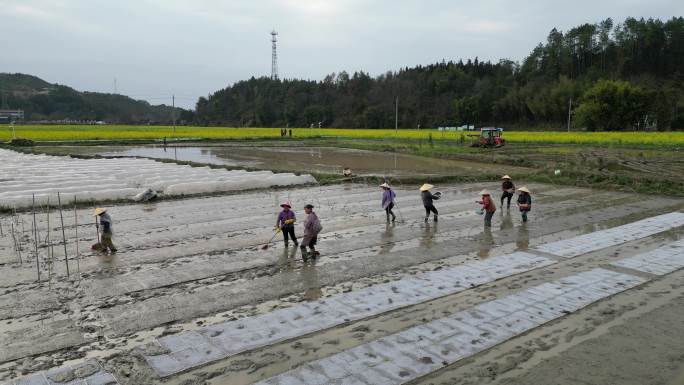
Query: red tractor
x=489, y=137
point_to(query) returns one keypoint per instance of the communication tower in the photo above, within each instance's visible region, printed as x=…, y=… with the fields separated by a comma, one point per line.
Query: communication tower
x=274, y=56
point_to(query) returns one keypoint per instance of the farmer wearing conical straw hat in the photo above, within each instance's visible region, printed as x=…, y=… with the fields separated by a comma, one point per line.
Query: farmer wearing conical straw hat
x=524, y=202
x=388, y=196
x=428, y=199
x=508, y=189
x=285, y=222
x=104, y=221
x=488, y=206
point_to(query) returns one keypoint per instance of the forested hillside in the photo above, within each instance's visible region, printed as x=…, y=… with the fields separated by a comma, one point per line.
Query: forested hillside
x=625, y=76
x=41, y=100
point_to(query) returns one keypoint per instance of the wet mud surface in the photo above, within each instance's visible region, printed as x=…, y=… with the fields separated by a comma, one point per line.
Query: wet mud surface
x=301, y=158
x=183, y=265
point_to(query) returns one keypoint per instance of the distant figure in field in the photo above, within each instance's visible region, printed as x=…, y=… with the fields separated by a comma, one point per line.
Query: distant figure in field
x=290, y=132
x=104, y=221
x=347, y=172
x=508, y=189
x=428, y=199
x=488, y=206
x=388, y=196
x=524, y=202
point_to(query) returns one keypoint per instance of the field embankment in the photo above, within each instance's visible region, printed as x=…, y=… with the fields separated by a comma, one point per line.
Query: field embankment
x=75, y=133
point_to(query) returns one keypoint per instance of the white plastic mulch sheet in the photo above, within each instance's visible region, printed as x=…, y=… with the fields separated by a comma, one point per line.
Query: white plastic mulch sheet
x=22, y=175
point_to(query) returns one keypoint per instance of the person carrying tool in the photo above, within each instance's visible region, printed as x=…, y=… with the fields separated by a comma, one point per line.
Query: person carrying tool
x=104, y=221
x=428, y=199
x=508, y=189
x=524, y=202
x=285, y=222
x=312, y=227
x=488, y=206
x=388, y=196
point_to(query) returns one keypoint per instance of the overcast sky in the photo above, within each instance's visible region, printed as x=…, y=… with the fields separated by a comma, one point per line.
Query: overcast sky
x=155, y=48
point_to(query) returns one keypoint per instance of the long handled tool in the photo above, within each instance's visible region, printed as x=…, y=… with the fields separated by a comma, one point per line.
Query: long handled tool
x=401, y=216
x=97, y=228
x=265, y=247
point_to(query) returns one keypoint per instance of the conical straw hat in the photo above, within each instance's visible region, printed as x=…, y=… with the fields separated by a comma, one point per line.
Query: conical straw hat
x=99, y=211
x=426, y=187
x=385, y=185
x=505, y=177
x=524, y=188
x=288, y=204
x=484, y=192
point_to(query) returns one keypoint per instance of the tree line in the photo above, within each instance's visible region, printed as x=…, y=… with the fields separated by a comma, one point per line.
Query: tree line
x=619, y=76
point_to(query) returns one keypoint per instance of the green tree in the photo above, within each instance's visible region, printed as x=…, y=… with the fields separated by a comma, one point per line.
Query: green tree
x=613, y=105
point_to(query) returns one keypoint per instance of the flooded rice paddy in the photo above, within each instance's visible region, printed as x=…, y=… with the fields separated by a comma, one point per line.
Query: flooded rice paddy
x=295, y=158
x=190, y=297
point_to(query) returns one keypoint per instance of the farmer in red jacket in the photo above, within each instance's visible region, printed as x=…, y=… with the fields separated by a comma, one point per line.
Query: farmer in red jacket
x=488, y=206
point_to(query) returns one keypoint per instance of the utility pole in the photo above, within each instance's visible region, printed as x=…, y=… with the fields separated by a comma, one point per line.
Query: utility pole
x=569, y=113
x=396, y=115
x=173, y=114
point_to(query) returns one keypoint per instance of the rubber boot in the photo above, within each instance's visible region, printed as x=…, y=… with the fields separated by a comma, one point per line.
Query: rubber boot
x=394, y=218
x=435, y=219
x=287, y=244
x=305, y=254
x=426, y=219
x=388, y=218
x=313, y=253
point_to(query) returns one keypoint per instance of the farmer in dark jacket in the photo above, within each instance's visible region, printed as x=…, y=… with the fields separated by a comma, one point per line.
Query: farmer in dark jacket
x=508, y=189
x=524, y=202
x=428, y=197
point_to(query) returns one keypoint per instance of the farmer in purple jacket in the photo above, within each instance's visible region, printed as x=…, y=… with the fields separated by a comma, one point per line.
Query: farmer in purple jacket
x=388, y=196
x=285, y=222
x=312, y=226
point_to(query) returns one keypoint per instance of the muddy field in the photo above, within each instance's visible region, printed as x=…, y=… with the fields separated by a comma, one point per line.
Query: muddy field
x=191, y=271
x=307, y=157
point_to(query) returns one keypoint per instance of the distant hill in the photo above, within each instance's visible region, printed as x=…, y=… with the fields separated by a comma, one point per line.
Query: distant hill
x=41, y=100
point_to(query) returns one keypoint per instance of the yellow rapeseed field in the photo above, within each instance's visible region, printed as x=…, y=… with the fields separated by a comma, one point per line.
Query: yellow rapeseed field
x=123, y=132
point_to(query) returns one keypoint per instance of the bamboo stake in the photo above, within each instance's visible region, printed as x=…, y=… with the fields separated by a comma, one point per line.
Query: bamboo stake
x=14, y=240
x=48, y=242
x=23, y=231
x=78, y=255
x=35, y=235
x=61, y=218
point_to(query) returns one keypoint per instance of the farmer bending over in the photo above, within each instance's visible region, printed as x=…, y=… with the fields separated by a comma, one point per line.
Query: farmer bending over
x=104, y=221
